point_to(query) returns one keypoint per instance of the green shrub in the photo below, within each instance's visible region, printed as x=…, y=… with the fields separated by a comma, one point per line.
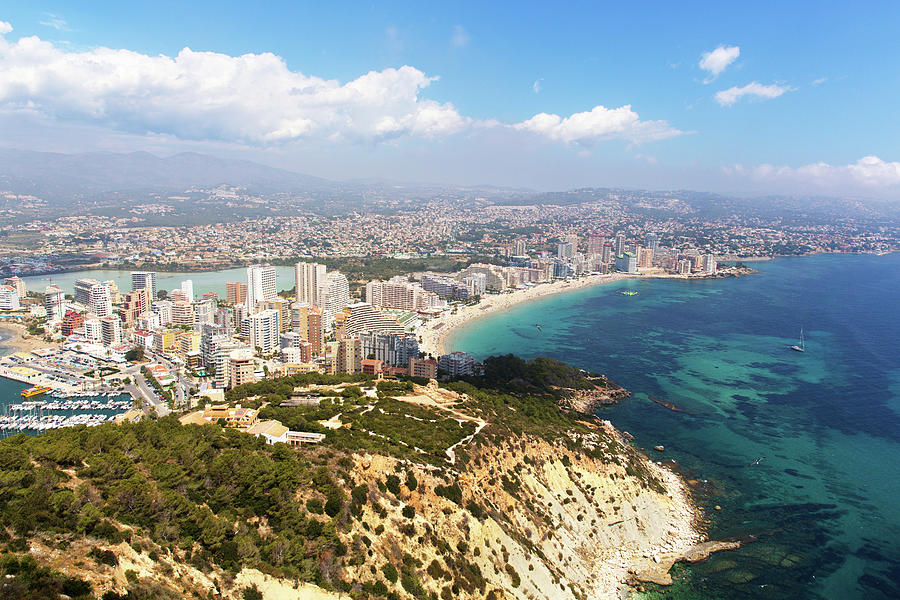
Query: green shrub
x=390, y=572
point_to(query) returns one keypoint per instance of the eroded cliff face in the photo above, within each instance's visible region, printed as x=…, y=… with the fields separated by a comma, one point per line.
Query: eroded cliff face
x=531, y=505
x=532, y=520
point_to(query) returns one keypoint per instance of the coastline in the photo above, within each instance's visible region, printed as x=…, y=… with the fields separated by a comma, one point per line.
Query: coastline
x=13, y=338
x=434, y=333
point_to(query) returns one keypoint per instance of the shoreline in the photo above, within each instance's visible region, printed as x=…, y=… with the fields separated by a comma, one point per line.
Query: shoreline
x=434, y=333
x=13, y=338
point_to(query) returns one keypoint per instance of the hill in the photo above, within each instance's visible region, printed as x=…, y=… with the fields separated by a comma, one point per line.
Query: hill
x=60, y=177
x=423, y=492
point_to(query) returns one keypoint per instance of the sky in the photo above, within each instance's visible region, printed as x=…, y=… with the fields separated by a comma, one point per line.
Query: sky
x=748, y=98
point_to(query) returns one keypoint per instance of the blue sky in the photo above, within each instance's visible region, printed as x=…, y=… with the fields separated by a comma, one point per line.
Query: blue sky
x=795, y=97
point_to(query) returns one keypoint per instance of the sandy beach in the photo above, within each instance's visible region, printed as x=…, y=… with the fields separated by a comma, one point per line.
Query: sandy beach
x=434, y=333
x=14, y=338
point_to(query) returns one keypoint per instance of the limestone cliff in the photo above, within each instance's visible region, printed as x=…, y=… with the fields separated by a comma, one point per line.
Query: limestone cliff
x=530, y=504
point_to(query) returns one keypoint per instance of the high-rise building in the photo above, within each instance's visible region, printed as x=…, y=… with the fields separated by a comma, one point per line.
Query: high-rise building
x=164, y=309
x=565, y=250
x=709, y=264
x=315, y=329
x=70, y=322
x=645, y=258
x=627, y=263
x=335, y=296
x=100, y=300
x=310, y=280
x=279, y=305
x=54, y=302
x=114, y=294
x=18, y=284
x=189, y=342
x=235, y=292
x=264, y=331
x=620, y=244
x=111, y=331
x=652, y=242
x=261, y=285
x=595, y=244
x=349, y=359
x=137, y=302
x=148, y=321
x=390, y=348
x=223, y=348
x=83, y=291
x=290, y=339
x=187, y=286
x=204, y=313
x=300, y=319
x=519, y=249
x=398, y=292
x=423, y=367
x=607, y=253
x=457, y=363
x=362, y=317
x=92, y=331
x=240, y=368
x=182, y=313
x=9, y=298
x=144, y=279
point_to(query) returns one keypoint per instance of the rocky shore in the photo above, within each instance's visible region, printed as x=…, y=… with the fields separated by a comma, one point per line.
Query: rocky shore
x=606, y=393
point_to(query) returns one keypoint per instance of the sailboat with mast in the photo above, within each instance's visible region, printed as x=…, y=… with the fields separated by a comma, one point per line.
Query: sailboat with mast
x=802, y=346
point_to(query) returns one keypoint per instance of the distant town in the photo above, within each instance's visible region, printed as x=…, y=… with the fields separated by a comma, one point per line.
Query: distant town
x=373, y=291
x=171, y=348
x=455, y=224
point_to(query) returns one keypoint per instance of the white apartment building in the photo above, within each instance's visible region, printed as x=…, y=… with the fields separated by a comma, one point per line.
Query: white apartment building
x=261, y=285
x=264, y=331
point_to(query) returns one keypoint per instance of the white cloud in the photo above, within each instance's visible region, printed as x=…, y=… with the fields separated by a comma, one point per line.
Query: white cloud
x=537, y=85
x=253, y=98
x=869, y=172
x=56, y=22
x=598, y=124
x=460, y=37
x=819, y=81
x=753, y=90
x=716, y=61
x=5, y=27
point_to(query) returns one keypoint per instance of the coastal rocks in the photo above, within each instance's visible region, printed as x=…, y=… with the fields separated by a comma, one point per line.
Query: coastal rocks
x=656, y=569
x=604, y=393
x=659, y=448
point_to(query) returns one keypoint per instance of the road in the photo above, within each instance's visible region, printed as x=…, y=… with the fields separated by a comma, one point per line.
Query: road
x=141, y=389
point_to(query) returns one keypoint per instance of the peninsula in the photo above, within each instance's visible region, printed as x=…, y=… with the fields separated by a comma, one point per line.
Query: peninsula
x=485, y=489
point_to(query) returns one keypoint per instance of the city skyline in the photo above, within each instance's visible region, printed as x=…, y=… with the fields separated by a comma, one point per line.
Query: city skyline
x=755, y=100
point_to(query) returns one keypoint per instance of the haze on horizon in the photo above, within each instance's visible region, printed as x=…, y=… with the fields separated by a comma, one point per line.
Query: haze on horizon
x=732, y=99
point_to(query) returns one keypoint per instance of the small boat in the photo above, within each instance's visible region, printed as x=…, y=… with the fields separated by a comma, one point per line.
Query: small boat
x=35, y=391
x=629, y=292
x=539, y=327
x=802, y=346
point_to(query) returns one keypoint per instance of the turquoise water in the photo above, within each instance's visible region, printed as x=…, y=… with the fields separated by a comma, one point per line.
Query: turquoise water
x=823, y=505
x=211, y=281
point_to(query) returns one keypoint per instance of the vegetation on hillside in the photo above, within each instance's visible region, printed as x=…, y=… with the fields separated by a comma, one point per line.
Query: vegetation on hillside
x=218, y=498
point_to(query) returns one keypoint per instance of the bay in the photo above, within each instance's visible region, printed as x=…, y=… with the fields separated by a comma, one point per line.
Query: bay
x=801, y=450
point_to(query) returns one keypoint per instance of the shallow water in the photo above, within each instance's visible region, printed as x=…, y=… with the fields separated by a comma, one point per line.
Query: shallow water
x=823, y=502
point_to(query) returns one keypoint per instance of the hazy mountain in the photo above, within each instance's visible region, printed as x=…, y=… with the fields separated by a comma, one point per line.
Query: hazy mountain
x=55, y=176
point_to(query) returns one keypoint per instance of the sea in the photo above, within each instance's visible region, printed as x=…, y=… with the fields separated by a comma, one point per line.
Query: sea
x=801, y=451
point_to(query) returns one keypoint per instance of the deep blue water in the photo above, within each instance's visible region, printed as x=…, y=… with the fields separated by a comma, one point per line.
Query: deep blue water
x=824, y=503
